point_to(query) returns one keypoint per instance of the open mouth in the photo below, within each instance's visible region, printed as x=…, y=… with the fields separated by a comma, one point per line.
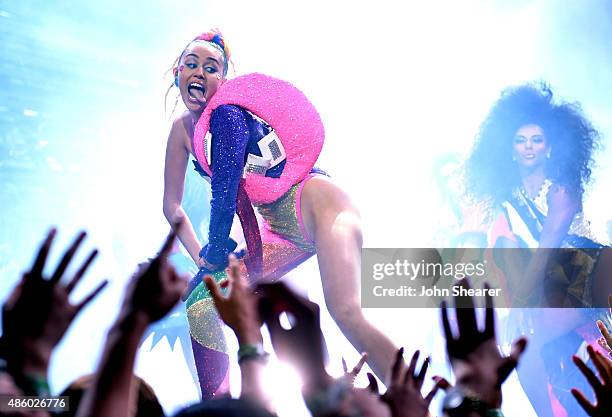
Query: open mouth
x=196, y=92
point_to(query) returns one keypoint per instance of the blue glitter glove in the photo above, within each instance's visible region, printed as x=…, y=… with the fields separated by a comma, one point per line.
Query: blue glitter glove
x=230, y=136
x=230, y=247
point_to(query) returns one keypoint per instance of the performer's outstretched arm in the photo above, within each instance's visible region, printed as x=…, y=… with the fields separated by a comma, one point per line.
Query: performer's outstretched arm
x=562, y=207
x=177, y=155
x=230, y=132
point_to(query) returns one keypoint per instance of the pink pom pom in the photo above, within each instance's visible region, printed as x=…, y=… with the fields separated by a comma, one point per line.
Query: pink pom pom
x=294, y=119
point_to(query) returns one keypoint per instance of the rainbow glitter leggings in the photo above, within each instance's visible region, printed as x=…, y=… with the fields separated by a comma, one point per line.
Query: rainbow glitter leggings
x=285, y=245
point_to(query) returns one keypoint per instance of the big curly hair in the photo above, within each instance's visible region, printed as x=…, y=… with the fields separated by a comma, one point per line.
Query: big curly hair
x=490, y=172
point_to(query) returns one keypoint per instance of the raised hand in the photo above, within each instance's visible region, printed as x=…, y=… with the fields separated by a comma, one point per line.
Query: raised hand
x=152, y=292
x=404, y=393
x=38, y=312
x=239, y=308
x=303, y=343
x=602, y=386
x=476, y=360
x=156, y=287
x=605, y=341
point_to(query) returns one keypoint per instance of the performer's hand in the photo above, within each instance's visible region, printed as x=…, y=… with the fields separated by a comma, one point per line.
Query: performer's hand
x=156, y=287
x=475, y=358
x=239, y=308
x=404, y=393
x=38, y=312
x=602, y=386
x=230, y=247
x=302, y=344
x=605, y=341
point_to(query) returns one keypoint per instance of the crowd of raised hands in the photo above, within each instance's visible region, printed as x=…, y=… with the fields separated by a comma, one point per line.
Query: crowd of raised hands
x=37, y=314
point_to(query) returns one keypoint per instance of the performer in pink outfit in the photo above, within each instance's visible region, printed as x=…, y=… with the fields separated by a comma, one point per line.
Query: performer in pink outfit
x=257, y=138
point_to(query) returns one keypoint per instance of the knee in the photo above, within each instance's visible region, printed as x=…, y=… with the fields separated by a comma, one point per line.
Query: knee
x=341, y=229
x=348, y=225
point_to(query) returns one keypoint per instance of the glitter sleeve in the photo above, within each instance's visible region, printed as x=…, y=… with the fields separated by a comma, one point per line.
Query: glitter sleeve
x=230, y=136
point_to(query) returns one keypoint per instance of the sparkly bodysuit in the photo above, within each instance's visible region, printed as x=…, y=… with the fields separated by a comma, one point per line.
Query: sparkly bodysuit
x=235, y=134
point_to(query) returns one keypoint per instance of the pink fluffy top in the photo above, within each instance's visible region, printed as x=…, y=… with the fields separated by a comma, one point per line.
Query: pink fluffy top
x=294, y=119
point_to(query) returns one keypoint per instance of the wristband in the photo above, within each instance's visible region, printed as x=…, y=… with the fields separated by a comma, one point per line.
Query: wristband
x=36, y=385
x=256, y=352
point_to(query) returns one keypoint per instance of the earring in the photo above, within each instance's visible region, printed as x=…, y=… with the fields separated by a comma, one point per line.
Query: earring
x=513, y=158
x=176, y=81
x=548, y=155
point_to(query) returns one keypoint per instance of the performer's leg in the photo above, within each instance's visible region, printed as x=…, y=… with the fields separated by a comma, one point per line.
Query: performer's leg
x=208, y=342
x=213, y=370
x=332, y=221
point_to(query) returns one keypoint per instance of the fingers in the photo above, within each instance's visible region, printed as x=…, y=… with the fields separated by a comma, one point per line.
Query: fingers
x=440, y=383
x=607, y=364
x=344, y=367
x=169, y=242
x=421, y=376
x=412, y=366
x=180, y=282
x=233, y=260
x=604, y=332
x=598, y=360
x=233, y=270
x=270, y=317
x=509, y=363
x=41, y=257
x=91, y=296
x=584, y=403
x=586, y=371
x=466, y=315
x=448, y=334
x=373, y=385
x=602, y=342
x=398, y=364
x=15, y=294
x=61, y=268
x=518, y=348
x=357, y=368
x=280, y=295
x=79, y=274
x=214, y=289
x=489, y=331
